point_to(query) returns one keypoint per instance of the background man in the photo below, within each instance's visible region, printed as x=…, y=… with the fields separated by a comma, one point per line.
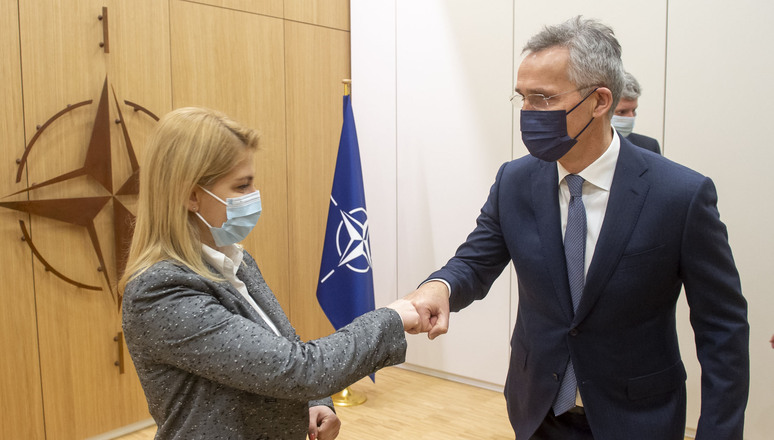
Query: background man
x=603, y=236
x=626, y=113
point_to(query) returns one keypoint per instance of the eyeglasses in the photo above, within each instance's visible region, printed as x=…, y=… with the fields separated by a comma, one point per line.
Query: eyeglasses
x=538, y=101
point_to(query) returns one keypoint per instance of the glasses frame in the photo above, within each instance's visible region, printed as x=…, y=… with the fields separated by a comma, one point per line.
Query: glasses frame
x=527, y=98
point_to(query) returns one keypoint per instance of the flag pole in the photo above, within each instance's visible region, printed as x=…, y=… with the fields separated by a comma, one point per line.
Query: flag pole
x=348, y=397
x=347, y=84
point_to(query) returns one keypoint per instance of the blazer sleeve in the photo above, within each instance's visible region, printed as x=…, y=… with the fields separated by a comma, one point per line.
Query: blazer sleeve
x=718, y=314
x=172, y=318
x=481, y=258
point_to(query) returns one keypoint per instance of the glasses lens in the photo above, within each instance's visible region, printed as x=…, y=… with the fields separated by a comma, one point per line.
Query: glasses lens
x=537, y=101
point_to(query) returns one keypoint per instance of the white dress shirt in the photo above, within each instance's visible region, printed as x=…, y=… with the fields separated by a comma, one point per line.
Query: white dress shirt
x=228, y=265
x=598, y=177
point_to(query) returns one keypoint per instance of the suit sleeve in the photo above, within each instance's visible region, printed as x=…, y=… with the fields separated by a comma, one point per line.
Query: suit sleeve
x=171, y=319
x=481, y=259
x=718, y=314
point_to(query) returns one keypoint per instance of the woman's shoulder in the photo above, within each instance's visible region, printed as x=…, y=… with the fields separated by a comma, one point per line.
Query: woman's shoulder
x=161, y=274
x=163, y=268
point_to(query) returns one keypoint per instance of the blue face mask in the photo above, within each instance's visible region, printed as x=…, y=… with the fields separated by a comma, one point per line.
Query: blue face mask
x=623, y=124
x=545, y=132
x=241, y=213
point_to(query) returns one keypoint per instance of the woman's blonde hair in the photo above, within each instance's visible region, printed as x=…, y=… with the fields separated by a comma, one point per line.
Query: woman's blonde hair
x=191, y=146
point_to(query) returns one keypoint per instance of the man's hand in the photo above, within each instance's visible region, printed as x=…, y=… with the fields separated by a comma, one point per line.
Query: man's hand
x=432, y=303
x=324, y=424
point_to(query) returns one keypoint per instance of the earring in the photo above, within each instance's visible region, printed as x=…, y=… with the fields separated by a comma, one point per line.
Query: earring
x=194, y=209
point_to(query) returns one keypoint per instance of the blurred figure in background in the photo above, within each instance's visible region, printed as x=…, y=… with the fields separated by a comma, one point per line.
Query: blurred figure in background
x=626, y=113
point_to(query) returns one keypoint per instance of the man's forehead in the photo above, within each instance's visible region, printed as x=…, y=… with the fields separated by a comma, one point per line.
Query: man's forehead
x=545, y=70
x=627, y=103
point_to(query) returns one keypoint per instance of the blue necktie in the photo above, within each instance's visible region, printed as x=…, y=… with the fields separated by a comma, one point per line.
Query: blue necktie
x=575, y=255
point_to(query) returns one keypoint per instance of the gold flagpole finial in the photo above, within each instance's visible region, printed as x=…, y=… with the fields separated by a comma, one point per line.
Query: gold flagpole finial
x=347, y=86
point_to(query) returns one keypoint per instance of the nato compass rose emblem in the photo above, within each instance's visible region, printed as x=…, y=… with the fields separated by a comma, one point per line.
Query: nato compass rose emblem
x=82, y=211
x=352, y=242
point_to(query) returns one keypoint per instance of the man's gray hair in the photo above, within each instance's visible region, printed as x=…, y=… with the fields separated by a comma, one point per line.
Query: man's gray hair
x=631, y=89
x=595, y=54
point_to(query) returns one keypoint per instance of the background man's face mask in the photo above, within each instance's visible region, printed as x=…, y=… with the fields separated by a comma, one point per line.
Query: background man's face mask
x=623, y=124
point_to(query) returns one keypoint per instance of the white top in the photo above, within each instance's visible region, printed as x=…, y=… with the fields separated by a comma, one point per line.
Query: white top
x=228, y=265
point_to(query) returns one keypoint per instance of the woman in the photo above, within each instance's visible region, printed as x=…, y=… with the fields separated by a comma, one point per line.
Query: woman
x=216, y=355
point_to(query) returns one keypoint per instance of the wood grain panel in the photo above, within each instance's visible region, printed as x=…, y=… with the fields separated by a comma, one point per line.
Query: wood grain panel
x=265, y=7
x=84, y=393
x=21, y=405
x=233, y=62
x=328, y=13
x=317, y=61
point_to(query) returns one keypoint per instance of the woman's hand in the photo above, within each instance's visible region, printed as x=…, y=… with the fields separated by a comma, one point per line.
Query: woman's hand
x=408, y=313
x=324, y=424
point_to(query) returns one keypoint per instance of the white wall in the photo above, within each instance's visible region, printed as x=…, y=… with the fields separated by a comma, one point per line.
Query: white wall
x=431, y=85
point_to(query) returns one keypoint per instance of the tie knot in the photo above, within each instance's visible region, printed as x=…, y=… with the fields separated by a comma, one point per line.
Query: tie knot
x=575, y=183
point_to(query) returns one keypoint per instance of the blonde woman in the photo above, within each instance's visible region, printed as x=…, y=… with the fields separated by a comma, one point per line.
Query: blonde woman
x=215, y=353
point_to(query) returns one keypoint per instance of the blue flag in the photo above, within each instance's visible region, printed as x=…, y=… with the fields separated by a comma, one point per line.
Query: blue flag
x=346, y=284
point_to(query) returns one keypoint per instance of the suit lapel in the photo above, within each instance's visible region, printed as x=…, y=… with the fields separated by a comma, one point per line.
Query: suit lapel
x=627, y=196
x=545, y=199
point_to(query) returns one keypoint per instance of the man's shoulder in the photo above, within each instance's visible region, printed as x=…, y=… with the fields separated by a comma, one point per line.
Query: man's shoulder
x=525, y=164
x=638, y=136
x=645, y=142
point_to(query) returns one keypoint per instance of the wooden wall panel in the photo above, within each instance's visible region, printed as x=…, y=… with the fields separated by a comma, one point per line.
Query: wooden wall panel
x=233, y=62
x=327, y=13
x=63, y=64
x=21, y=405
x=317, y=59
x=264, y=7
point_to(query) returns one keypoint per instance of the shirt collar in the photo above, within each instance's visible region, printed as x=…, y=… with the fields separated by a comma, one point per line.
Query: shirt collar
x=600, y=172
x=226, y=262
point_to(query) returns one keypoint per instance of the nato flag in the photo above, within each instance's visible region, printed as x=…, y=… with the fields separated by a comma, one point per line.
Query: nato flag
x=346, y=284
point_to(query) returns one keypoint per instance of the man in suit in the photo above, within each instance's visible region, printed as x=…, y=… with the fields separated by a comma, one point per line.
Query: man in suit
x=599, y=358
x=626, y=113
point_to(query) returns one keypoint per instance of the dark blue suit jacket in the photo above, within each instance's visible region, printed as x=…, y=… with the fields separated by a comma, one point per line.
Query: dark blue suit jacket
x=661, y=232
x=645, y=142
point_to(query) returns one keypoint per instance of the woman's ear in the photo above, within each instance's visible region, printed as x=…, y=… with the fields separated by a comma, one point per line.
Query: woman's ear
x=193, y=201
x=604, y=102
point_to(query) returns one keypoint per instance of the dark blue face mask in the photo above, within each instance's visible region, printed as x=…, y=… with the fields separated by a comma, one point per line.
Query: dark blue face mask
x=545, y=132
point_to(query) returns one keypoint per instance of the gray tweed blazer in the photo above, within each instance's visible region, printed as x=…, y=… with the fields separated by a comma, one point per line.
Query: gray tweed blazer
x=212, y=369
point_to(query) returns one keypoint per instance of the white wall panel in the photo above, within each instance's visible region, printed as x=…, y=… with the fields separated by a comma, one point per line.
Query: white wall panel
x=374, y=101
x=454, y=131
x=718, y=109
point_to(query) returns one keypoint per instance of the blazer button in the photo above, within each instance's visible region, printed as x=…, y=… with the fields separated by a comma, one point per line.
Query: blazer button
x=574, y=332
x=556, y=377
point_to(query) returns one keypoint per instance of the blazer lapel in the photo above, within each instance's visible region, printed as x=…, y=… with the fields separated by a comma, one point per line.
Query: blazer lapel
x=545, y=199
x=627, y=196
x=265, y=299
